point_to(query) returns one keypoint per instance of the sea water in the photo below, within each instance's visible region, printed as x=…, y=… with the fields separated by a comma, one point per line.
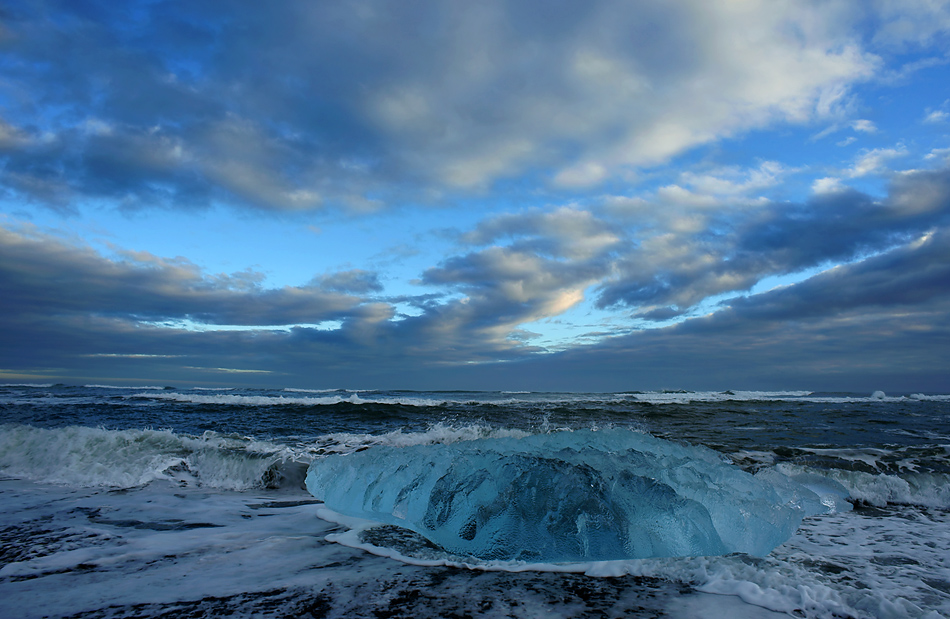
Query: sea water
x=167, y=501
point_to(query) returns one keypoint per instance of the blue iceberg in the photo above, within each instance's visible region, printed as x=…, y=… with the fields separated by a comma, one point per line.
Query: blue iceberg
x=566, y=496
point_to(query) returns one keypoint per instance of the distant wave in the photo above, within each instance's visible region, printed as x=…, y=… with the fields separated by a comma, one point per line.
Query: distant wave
x=28, y=385
x=265, y=400
x=930, y=398
x=127, y=387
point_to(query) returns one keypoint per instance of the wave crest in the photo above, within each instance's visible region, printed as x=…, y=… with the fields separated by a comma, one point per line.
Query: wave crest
x=83, y=456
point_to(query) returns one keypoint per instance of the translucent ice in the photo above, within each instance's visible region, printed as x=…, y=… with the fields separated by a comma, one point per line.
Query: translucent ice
x=566, y=496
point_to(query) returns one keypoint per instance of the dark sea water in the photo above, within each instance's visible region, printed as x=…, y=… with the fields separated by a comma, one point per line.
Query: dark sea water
x=172, y=502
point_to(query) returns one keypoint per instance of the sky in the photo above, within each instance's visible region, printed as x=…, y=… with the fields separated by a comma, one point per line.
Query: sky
x=539, y=195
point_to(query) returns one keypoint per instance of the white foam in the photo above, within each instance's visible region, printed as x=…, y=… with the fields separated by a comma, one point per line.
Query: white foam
x=323, y=397
x=128, y=387
x=870, y=456
x=262, y=400
x=108, y=549
x=98, y=550
x=82, y=456
x=437, y=433
x=675, y=397
x=787, y=581
x=761, y=457
x=881, y=489
x=930, y=398
x=659, y=397
x=30, y=385
x=769, y=589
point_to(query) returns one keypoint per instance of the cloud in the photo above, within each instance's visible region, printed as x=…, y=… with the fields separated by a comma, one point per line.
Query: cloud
x=354, y=281
x=308, y=105
x=864, y=126
x=64, y=302
x=858, y=325
x=563, y=232
x=504, y=288
x=828, y=184
x=734, y=182
x=911, y=277
x=44, y=276
x=670, y=268
x=874, y=324
x=937, y=116
x=875, y=161
x=908, y=23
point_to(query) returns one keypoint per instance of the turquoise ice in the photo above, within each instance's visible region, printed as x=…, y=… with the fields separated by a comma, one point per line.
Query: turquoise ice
x=567, y=496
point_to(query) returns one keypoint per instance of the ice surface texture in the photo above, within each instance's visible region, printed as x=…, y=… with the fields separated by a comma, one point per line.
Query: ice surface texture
x=566, y=496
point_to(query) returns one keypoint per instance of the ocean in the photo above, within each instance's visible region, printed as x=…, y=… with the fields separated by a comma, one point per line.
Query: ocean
x=202, y=502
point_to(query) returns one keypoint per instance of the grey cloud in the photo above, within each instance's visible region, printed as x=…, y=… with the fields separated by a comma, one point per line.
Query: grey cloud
x=354, y=281
x=734, y=249
x=876, y=324
x=914, y=276
x=41, y=275
x=64, y=302
x=301, y=105
x=562, y=233
x=66, y=306
x=510, y=286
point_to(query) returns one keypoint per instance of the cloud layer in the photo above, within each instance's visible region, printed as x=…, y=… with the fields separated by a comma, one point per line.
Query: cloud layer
x=64, y=301
x=303, y=105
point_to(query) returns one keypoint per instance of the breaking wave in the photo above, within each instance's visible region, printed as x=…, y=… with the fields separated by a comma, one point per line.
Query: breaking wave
x=83, y=456
x=263, y=400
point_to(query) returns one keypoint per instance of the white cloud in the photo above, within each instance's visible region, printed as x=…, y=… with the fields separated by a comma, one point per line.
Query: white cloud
x=735, y=181
x=610, y=92
x=875, y=161
x=937, y=116
x=827, y=185
x=906, y=22
x=362, y=108
x=563, y=232
x=938, y=153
